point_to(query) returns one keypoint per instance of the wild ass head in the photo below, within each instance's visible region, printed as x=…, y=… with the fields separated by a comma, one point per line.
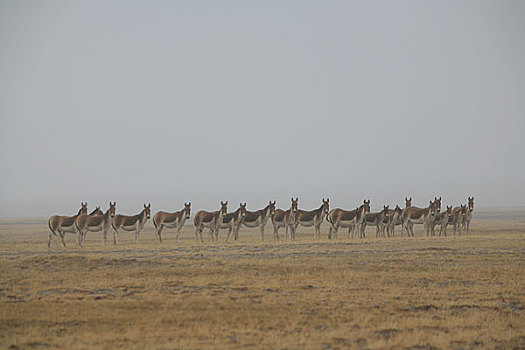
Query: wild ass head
x=471, y=203
x=385, y=211
x=83, y=208
x=112, y=209
x=326, y=205
x=463, y=210
x=187, y=209
x=147, y=209
x=272, y=208
x=295, y=205
x=243, y=209
x=97, y=211
x=398, y=210
x=408, y=202
x=224, y=207
x=432, y=208
x=449, y=212
x=437, y=203
x=366, y=204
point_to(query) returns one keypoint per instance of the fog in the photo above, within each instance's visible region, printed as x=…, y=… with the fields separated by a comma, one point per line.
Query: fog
x=165, y=102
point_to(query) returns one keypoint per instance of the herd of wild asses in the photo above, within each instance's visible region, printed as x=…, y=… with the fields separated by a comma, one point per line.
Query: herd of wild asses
x=358, y=219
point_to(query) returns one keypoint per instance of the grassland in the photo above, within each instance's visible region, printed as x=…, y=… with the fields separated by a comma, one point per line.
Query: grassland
x=422, y=292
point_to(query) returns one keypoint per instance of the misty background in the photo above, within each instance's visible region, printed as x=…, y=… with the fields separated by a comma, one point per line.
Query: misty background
x=165, y=102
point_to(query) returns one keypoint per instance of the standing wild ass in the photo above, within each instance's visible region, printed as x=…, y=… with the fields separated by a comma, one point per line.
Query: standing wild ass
x=344, y=218
x=176, y=220
x=375, y=219
x=414, y=215
x=84, y=223
x=259, y=218
x=312, y=218
x=131, y=223
x=233, y=221
x=441, y=219
x=457, y=218
x=209, y=219
x=468, y=214
x=284, y=218
x=390, y=221
x=62, y=224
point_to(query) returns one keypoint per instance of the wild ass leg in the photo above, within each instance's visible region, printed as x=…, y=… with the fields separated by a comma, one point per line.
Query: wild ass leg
x=62, y=236
x=159, y=232
x=228, y=236
x=137, y=231
x=178, y=233
x=197, y=233
x=50, y=240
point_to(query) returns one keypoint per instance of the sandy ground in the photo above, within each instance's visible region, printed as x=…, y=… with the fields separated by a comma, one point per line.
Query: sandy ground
x=422, y=292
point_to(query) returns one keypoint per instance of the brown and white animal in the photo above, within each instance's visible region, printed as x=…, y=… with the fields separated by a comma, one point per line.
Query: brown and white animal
x=312, y=218
x=175, y=220
x=284, y=218
x=374, y=219
x=95, y=223
x=233, y=221
x=209, y=219
x=131, y=223
x=259, y=218
x=442, y=220
x=346, y=218
x=457, y=218
x=468, y=214
x=414, y=215
x=390, y=222
x=59, y=225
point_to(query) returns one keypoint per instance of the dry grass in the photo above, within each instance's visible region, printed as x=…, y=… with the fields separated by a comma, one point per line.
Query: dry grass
x=466, y=292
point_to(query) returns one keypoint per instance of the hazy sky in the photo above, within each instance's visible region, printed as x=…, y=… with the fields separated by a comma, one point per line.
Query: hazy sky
x=202, y=101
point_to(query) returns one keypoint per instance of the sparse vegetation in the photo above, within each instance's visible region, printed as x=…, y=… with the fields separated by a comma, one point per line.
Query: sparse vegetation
x=422, y=292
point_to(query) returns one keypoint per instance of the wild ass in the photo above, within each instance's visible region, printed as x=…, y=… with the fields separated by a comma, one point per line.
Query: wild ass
x=457, y=218
x=468, y=214
x=209, y=219
x=414, y=215
x=390, y=222
x=85, y=223
x=176, y=220
x=62, y=224
x=312, y=218
x=344, y=218
x=233, y=221
x=375, y=219
x=284, y=218
x=259, y=218
x=441, y=219
x=131, y=223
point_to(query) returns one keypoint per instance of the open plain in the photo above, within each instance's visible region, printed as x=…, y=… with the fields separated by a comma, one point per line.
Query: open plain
x=423, y=292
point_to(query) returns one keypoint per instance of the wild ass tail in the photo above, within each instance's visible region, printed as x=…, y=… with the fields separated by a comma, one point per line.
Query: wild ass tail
x=154, y=221
x=50, y=227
